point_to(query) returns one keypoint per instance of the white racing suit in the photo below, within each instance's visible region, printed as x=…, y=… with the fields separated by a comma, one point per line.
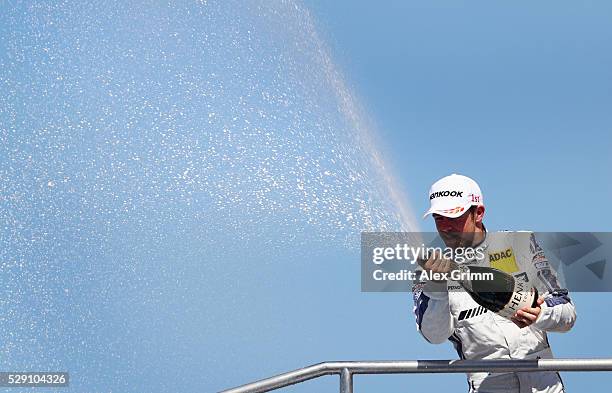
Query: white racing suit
x=445, y=311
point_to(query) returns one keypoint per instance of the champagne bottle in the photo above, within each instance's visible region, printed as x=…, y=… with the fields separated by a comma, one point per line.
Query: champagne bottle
x=505, y=294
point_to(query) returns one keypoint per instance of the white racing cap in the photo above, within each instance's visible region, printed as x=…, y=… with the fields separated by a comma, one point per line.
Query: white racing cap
x=453, y=195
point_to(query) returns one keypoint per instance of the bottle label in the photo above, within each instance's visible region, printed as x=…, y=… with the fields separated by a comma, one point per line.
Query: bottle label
x=524, y=295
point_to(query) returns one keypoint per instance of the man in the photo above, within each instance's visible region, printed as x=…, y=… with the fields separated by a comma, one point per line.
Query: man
x=444, y=311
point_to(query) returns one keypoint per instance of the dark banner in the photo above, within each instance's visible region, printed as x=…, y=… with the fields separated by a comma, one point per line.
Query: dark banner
x=576, y=261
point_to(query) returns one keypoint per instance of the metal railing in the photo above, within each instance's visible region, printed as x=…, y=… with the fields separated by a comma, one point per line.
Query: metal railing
x=346, y=370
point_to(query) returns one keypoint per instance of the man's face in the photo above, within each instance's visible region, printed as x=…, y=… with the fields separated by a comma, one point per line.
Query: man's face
x=459, y=231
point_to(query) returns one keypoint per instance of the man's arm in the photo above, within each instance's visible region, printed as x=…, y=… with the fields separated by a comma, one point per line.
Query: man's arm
x=432, y=311
x=557, y=312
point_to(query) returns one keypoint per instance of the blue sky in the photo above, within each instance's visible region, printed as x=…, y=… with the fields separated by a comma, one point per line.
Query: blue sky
x=516, y=96
x=183, y=184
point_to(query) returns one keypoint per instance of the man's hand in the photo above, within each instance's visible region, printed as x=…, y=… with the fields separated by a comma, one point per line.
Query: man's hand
x=527, y=315
x=437, y=263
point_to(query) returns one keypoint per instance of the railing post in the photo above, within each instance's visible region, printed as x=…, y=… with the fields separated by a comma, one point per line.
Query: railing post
x=346, y=381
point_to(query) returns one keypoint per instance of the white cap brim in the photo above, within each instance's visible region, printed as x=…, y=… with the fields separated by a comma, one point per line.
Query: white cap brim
x=450, y=213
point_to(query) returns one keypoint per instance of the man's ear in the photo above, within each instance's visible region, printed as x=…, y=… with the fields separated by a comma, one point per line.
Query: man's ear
x=479, y=215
